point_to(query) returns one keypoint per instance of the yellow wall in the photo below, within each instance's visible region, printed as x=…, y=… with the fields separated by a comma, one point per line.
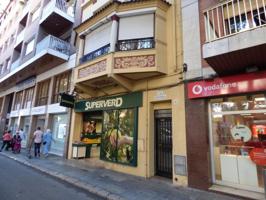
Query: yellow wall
x=163, y=91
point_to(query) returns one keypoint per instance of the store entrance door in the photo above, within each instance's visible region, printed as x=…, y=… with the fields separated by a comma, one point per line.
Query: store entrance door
x=163, y=143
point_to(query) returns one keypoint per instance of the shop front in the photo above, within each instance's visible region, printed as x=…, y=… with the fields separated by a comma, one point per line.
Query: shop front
x=108, y=129
x=236, y=119
x=25, y=125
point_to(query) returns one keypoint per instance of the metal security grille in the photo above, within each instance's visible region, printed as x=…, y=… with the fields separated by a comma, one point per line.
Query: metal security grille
x=163, y=143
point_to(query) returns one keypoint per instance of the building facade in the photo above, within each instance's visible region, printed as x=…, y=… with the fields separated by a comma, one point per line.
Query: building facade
x=129, y=114
x=224, y=48
x=37, y=57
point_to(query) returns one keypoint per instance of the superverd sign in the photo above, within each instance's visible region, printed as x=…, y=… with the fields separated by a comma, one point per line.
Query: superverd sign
x=109, y=103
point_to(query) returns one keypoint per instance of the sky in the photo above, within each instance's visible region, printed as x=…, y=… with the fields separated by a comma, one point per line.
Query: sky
x=3, y=4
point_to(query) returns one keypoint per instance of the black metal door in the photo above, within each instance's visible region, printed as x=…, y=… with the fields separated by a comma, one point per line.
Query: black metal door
x=163, y=143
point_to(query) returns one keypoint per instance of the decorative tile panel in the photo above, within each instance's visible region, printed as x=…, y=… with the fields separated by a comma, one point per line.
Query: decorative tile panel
x=134, y=61
x=92, y=69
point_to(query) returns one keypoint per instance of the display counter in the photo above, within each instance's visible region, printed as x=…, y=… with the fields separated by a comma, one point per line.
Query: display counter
x=81, y=150
x=238, y=169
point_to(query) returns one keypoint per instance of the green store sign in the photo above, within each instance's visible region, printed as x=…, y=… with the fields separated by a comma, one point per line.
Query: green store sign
x=109, y=103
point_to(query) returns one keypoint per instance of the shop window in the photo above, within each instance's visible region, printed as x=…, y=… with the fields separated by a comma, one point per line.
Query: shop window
x=28, y=98
x=18, y=100
x=119, y=136
x=59, y=131
x=42, y=95
x=239, y=141
x=62, y=84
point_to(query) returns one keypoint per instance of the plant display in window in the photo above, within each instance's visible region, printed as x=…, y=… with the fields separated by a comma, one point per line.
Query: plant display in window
x=118, y=136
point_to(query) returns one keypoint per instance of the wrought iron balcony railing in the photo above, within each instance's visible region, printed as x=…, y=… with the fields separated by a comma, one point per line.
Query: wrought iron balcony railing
x=234, y=16
x=99, y=52
x=136, y=44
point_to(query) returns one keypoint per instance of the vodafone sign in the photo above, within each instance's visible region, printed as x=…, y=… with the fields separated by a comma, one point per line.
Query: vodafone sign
x=243, y=83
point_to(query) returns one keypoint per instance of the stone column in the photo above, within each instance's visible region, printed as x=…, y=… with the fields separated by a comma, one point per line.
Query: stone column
x=114, y=32
x=81, y=47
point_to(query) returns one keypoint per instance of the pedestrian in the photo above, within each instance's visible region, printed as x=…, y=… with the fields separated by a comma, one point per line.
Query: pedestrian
x=47, y=141
x=37, y=138
x=6, y=140
x=17, y=143
x=22, y=134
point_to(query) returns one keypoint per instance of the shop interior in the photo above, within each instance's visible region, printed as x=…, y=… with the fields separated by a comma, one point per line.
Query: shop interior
x=239, y=132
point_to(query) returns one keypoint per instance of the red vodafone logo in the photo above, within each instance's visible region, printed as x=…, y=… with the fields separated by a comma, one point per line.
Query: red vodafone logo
x=197, y=89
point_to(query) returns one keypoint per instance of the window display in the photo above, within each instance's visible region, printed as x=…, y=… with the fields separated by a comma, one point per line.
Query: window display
x=59, y=131
x=239, y=140
x=119, y=136
x=92, y=128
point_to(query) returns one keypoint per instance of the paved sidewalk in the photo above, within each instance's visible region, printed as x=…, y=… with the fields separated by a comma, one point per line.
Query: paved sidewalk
x=110, y=184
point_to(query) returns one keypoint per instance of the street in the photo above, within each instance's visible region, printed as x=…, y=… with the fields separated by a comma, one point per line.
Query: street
x=23, y=183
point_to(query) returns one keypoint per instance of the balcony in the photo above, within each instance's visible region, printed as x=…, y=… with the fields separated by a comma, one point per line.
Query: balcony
x=20, y=37
x=49, y=52
x=15, y=65
x=235, y=33
x=133, y=59
x=57, y=17
x=99, y=52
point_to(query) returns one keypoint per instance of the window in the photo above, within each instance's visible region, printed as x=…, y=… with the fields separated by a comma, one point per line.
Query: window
x=92, y=41
x=1, y=103
x=35, y=14
x=29, y=47
x=28, y=98
x=18, y=100
x=8, y=64
x=134, y=27
x=62, y=84
x=238, y=129
x=119, y=136
x=43, y=90
x=12, y=38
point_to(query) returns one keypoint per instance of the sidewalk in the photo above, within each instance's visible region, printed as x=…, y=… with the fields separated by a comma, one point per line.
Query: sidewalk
x=110, y=184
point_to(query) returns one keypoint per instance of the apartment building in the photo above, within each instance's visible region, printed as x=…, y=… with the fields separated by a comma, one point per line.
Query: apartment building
x=36, y=60
x=224, y=50
x=129, y=115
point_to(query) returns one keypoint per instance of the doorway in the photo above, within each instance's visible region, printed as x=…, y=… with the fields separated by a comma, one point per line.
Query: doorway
x=163, y=143
x=40, y=122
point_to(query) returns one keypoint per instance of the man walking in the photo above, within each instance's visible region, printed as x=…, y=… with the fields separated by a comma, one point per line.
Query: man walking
x=37, y=137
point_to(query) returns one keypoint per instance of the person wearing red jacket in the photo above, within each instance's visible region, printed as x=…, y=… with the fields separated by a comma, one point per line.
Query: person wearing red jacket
x=6, y=140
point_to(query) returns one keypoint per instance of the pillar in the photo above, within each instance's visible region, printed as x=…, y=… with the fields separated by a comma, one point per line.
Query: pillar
x=114, y=32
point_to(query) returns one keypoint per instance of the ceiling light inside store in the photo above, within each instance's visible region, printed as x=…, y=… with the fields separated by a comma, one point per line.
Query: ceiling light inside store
x=260, y=99
x=245, y=114
x=217, y=116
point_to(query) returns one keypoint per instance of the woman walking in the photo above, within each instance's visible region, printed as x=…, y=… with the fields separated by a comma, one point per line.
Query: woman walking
x=47, y=141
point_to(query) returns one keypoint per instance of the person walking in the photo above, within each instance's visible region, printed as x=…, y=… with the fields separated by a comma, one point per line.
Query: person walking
x=37, y=138
x=47, y=141
x=17, y=143
x=6, y=140
x=22, y=134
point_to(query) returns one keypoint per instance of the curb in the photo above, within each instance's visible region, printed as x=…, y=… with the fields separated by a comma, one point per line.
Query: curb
x=73, y=181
